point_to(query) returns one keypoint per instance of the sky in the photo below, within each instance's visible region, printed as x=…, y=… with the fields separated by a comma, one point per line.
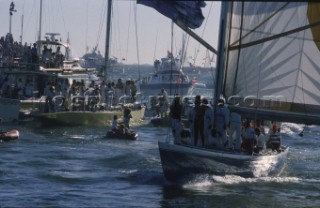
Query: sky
x=139, y=34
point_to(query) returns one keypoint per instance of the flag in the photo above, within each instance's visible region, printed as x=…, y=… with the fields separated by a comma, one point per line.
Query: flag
x=187, y=13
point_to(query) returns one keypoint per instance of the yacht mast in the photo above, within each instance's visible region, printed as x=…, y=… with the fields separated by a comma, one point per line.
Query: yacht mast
x=106, y=63
x=21, y=30
x=39, y=35
x=221, y=51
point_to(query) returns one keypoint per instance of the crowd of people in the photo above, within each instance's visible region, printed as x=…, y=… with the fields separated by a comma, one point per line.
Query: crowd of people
x=61, y=95
x=94, y=97
x=222, y=128
x=13, y=52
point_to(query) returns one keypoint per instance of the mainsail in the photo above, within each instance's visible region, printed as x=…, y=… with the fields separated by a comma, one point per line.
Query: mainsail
x=272, y=64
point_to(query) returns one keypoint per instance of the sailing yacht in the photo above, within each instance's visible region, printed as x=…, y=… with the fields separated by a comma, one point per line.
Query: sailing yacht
x=268, y=69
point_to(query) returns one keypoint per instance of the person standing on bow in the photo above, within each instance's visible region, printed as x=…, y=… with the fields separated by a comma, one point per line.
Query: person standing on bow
x=208, y=120
x=199, y=110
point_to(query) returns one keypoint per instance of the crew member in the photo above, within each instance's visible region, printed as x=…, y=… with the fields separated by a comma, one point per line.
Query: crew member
x=222, y=120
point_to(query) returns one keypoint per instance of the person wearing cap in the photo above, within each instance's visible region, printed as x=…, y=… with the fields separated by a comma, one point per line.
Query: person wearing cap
x=126, y=117
x=199, y=110
x=222, y=120
x=34, y=55
x=208, y=120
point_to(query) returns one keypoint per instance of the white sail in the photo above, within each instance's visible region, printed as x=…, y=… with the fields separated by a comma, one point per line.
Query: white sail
x=273, y=59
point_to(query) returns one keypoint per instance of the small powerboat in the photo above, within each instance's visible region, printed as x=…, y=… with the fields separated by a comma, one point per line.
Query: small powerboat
x=122, y=134
x=9, y=135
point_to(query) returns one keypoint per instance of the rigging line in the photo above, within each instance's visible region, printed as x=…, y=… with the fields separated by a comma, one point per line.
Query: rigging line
x=301, y=77
x=28, y=20
x=128, y=34
x=263, y=22
x=205, y=25
x=37, y=20
x=86, y=35
x=263, y=40
x=212, y=72
x=171, y=57
x=228, y=28
x=51, y=22
x=103, y=14
x=269, y=33
x=63, y=19
x=137, y=40
x=155, y=47
x=118, y=45
x=239, y=51
x=258, y=88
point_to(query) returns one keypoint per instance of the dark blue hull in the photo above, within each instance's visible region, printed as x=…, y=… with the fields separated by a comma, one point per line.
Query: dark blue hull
x=179, y=161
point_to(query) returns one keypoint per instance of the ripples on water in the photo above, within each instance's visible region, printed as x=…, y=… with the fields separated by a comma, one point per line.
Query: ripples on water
x=78, y=167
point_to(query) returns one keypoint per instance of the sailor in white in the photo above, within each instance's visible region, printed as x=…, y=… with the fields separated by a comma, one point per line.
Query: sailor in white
x=235, y=130
x=222, y=120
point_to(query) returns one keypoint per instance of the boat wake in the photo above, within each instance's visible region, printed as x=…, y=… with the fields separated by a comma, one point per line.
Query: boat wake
x=233, y=179
x=203, y=182
x=291, y=128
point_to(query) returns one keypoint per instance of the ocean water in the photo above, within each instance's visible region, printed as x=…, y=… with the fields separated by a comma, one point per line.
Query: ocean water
x=78, y=167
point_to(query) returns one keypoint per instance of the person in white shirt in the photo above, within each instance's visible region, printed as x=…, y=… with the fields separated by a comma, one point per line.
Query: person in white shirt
x=235, y=130
x=222, y=120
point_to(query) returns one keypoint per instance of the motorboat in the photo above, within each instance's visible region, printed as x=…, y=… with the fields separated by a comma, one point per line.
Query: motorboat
x=168, y=76
x=10, y=135
x=126, y=134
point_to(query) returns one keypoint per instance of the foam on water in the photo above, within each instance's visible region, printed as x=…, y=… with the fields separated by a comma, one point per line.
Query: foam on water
x=232, y=179
x=198, y=183
x=128, y=171
x=292, y=129
x=201, y=183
